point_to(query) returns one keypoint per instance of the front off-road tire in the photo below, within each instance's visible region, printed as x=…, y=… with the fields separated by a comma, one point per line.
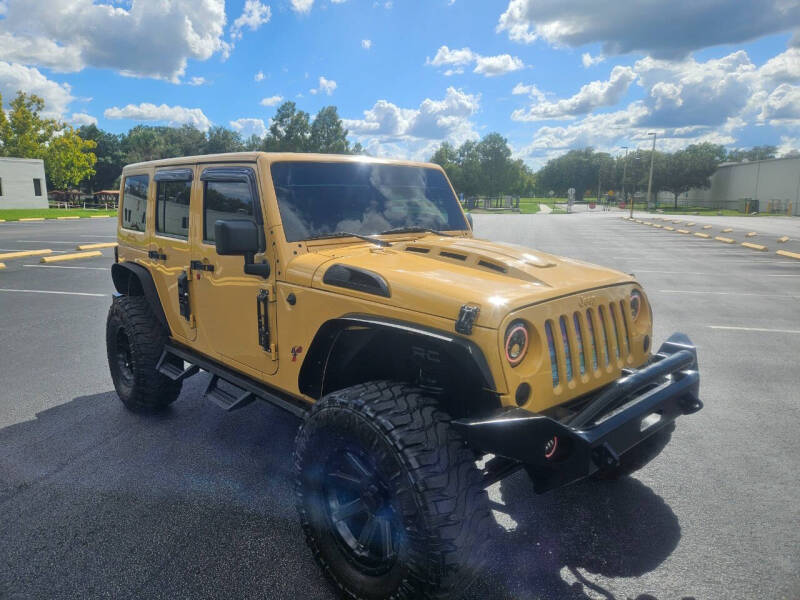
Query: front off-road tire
x=389, y=497
x=135, y=340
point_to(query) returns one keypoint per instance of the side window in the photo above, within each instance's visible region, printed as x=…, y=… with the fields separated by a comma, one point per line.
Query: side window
x=37, y=187
x=225, y=200
x=172, y=207
x=134, y=202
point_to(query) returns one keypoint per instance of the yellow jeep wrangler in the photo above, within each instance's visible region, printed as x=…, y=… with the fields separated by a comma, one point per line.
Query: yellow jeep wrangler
x=352, y=293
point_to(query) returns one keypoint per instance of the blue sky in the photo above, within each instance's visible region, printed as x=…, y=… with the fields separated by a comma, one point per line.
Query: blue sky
x=405, y=75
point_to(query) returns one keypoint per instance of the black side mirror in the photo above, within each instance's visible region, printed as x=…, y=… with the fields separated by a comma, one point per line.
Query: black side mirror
x=239, y=237
x=469, y=220
x=236, y=237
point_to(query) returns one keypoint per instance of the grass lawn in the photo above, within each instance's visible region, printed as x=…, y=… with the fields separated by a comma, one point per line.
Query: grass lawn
x=14, y=214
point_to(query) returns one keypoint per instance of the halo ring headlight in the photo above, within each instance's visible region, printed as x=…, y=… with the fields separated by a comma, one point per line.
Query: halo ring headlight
x=516, y=343
x=636, y=302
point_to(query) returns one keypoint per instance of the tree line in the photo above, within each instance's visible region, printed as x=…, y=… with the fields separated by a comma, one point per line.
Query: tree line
x=592, y=173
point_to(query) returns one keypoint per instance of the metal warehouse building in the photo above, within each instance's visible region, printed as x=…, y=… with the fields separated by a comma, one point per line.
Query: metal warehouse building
x=22, y=183
x=765, y=186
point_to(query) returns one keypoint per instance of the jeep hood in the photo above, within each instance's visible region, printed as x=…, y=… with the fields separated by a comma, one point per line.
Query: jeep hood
x=437, y=275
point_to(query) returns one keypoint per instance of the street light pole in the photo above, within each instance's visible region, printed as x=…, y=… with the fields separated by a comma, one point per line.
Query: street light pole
x=652, y=158
x=624, y=172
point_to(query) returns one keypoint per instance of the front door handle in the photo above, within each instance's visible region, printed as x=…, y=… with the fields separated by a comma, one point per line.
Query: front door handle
x=199, y=265
x=156, y=255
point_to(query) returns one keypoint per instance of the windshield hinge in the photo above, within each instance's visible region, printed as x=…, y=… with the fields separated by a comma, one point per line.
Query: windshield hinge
x=466, y=318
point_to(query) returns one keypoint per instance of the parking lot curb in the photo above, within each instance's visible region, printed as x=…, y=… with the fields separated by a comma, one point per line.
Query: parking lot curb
x=727, y=230
x=788, y=254
x=784, y=239
x=95, y=246
x=99, y=216
x=24, y=253
x=683, y=231
x=32, y=219
x=758, y=247
x=725, y=240
x=73, y=256
x=668, y=228
x=2, y=265
x=706, y=226
x=65, y=218
x=702, y=235
x=750, y=234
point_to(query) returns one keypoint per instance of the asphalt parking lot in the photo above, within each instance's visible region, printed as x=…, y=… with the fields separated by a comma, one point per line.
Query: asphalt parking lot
x=196, y=503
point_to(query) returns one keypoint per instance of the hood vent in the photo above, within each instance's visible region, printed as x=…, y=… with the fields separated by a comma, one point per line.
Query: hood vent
x=357, y=279
x=417, y=249
x=492, y=266
x=454, y=255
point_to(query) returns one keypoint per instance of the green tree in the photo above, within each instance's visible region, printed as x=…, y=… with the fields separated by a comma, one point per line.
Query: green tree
x=110, y=157
x=290, y=130
x=25, y=133
x=221, y=139
x=495, y=164
x=69, y=159
x=328, y=134
x=754, y=153
x=692, y=167
x=446, y=156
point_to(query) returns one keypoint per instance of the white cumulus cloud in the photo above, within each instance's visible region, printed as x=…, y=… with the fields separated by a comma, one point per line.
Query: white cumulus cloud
x=591, y=96
x=271, y=100
x=248, y=127
x=79, y=119
x=588, y=60
x=253, y=16
x=489, y=66
x=15, y=77
x=326, y=86
x=145, y=39
x=259, y=76
x=302, y=6
x=171, y=115
x=366, y=44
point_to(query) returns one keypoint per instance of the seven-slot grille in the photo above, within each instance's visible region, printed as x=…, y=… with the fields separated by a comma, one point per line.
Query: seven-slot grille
x=592, y=337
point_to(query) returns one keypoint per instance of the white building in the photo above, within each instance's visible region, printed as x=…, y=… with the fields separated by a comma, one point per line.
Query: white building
x=22, y=183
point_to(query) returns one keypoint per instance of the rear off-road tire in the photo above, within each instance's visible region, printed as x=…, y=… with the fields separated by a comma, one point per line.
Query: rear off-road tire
x=389, y=497
x=134, y=341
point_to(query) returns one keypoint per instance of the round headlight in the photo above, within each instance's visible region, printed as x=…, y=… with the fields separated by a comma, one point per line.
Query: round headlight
x=516, y=343
x=636, y=303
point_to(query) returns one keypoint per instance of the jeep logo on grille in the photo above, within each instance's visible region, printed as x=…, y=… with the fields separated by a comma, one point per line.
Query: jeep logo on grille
x=587, y=301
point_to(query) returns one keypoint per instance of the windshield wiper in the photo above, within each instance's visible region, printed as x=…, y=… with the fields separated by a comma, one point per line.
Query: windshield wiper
x=415, y=230
x=341, y=234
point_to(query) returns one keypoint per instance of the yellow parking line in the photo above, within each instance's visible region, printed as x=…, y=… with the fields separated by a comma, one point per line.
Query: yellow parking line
x=73, y=256
x=706, y=226
x=702, y=235
x=727, y=230
x=754, y=246
x=64, y=218
x=788, y=254
x=24, y=253
x=783, y=239
x=683, y=231
x=751, y=234
x=32, y=219
x=95, y=246
x=725, y=240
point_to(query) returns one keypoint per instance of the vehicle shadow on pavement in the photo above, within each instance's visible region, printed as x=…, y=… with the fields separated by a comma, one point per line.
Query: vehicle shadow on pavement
x=97, y=501
x=545, y=545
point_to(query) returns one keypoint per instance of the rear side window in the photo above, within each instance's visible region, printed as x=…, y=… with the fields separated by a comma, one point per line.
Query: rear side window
x=134, y=202
x=172, y=207
x=225, y=200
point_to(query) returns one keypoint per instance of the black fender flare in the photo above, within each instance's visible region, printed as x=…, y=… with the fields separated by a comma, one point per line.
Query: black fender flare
x=461, y=350
x=131, y=279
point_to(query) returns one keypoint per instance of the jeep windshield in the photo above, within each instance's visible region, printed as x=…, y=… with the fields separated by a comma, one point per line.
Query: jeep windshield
x=317, y=200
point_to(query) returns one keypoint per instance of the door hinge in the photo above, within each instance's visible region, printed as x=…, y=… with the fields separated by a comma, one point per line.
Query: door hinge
x=262, y=301
x=199, y=265
x=183, y=295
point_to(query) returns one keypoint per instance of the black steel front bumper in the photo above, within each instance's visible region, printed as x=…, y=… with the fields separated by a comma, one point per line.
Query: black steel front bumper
x=620, y=416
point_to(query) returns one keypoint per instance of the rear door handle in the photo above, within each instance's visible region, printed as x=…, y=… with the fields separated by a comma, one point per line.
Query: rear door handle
x=198, y=265
x=156, y=255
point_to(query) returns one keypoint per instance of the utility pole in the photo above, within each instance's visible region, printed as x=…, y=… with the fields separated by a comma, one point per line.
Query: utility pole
x=652, y=158
x=624, y=172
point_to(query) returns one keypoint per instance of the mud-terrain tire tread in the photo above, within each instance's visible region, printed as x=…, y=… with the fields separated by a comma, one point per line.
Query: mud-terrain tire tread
x=442, y=473
x=151, y=391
